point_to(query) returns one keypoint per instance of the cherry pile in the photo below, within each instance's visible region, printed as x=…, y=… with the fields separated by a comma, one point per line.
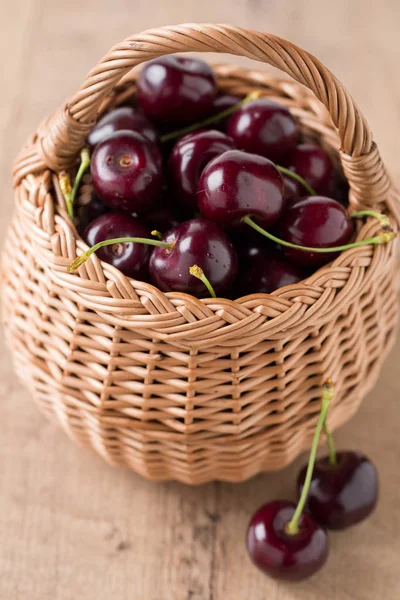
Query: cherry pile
x=289, y=541
x=183, y=178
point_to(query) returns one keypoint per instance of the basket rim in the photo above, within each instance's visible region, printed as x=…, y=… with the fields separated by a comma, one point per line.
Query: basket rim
x=139, y=306
x=366, y=231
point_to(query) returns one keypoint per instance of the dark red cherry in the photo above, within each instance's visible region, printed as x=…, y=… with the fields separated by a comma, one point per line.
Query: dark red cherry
x=127, y=172
x=195, y=242
x=130, y=258
x=88, y=209
x=189, y=157
x=341, y=190
x=220, y=104
x=264, y=127
x=291, y=557
x=176, y=89
x=236, y=184
x=266, y=273
x=292, y=190
x=343, y=495
x=223, y=102
x=122, y=118
x=317, y=222
x=314, y=165
x=161, y=219
x=163, y=216
x=250, y=246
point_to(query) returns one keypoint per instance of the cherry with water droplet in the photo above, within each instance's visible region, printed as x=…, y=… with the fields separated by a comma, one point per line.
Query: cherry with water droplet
x=236, y=184
x=195, y=242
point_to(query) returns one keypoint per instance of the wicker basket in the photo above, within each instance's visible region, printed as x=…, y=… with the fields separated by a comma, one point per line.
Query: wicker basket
x=168, y=385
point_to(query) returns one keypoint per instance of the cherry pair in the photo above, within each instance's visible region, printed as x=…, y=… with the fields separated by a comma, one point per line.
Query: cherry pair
x=125, y=242
x=289, y=541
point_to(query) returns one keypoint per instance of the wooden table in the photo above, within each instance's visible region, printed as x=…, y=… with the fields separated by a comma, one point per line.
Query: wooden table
x=71, y=528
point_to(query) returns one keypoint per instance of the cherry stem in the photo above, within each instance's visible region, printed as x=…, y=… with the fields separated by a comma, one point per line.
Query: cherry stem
x=66, y=189
x=198, y=272
x=156, y=234
x=383, y=237
x=292, y=528
x=211, y=120
x=383, y=219
x=69, y=192
x=124, y=240
x=297, y=177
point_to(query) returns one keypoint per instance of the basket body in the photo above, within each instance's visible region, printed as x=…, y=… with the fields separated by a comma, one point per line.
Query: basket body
x=174, y=387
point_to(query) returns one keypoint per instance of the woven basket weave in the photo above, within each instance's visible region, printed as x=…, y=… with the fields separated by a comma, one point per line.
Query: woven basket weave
x=168, y=385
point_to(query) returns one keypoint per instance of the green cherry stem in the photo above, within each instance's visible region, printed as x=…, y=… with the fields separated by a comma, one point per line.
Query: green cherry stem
x=69, y=192
x=196, y=271
x=383, y=219
x=83, y=167
x=297, y=177
x=211, y=120
x=124, y=240
x=292, y=528
x=382, y=238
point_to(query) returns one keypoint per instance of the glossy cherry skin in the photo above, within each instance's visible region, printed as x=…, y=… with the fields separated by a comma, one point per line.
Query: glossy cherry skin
x=344, y=495
x=187, y=160
x=284, y=556
x=122, y=118
x=292, y=190
x=264, y=127
x=223, y=102
x=265, y=273
x=127, y=172
x=130, y=258
x=236, y=184
x=176, y=89
x=250, y=246
x=317, y=222
x=314, y=165
x=220, y=104
x=195, y=242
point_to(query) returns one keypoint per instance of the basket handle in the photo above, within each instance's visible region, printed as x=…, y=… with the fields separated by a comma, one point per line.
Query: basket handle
x=60, y=138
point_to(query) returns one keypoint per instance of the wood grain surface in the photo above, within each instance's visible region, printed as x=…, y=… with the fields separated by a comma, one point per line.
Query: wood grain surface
x=71, y=528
